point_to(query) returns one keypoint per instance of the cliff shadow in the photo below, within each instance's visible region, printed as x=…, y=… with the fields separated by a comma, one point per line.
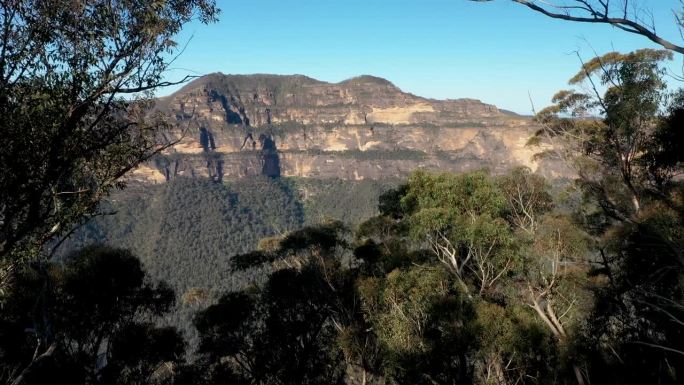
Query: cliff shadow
x=235, y=112
x=207, y=140
x=269, y=156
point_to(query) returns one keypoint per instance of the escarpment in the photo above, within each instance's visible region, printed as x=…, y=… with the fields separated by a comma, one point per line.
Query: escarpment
x=232, y=126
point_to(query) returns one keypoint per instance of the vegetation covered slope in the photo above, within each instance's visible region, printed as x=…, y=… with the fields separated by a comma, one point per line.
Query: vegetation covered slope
x=185, y=231
x=462, y=278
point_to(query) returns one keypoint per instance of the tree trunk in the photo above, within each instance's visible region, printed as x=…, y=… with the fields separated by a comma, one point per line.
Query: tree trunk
x=578, y=374
x=549, y=317
x=42, y=357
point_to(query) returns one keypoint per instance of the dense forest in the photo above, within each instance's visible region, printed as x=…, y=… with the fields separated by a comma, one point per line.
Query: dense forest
x=441, y=278
x=186, y=231
x=467, y=278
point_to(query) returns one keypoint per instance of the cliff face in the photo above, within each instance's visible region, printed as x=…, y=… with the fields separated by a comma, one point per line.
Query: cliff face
x=363, y=127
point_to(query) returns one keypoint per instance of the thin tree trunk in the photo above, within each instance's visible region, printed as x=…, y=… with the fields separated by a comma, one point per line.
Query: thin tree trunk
x=45, y=355
x=578, y=374
x=549, y=317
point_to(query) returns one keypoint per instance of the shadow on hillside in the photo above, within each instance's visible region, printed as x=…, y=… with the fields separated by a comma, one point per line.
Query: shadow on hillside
x=269, y=157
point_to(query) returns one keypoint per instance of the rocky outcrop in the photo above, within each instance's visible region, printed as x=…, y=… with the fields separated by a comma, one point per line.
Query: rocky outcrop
x=257, y=100
x=365, y=127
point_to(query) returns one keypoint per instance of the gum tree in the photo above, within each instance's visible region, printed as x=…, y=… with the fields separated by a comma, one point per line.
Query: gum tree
x=622, y=133
x=76, y=81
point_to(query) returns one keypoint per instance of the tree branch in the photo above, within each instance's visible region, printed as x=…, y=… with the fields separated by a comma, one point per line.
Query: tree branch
x=601, y=17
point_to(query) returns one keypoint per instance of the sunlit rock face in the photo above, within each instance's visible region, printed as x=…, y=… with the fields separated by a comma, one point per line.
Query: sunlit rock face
x=233, y=126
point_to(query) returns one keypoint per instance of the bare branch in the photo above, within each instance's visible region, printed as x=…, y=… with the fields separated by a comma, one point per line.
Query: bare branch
x=600, y=15
x=656, y=346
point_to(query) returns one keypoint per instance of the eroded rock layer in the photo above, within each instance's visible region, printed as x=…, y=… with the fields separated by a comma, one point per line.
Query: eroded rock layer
x=365, y=127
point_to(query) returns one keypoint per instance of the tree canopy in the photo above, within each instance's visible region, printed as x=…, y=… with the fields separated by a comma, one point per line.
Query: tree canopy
x=483, y=279
x=75, y=85
x=90, y=320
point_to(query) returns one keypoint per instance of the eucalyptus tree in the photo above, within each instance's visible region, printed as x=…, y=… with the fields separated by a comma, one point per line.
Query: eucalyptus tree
x=462, y=219
x=76, y=86
x=621, y=156
x=284, y=331
x=628, y=161
x=97, y=326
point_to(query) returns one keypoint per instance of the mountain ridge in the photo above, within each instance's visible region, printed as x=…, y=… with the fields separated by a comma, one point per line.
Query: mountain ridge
x=280, y=80
x=362, y=127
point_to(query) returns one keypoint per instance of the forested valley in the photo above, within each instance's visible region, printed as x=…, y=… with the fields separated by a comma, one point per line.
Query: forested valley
x=186, y=231
x=481, y=277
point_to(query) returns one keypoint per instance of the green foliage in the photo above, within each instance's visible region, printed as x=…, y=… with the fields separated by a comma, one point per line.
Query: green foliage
x=453, y=194
x=76, y=82
x=382, y=245
x=185, y=231
x=616, y=155
x=638, y=314
x=402, y=304
x=662, y=157
x=95, y=312
x=318, y=241
x=462, y=218
x=610, y=65
x=421, y=322
x=497, y=241
x=352, y=202
x=627, y=161
x=528, y=196
x=286, y=331
x=514, y=346
x=558, y=235
x=391, y=312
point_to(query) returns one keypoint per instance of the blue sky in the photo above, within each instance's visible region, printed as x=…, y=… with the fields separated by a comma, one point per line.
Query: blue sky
x=496, y=52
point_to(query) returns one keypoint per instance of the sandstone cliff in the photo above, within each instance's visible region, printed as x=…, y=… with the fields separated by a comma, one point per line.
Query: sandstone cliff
x=365, y=127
